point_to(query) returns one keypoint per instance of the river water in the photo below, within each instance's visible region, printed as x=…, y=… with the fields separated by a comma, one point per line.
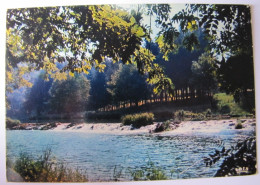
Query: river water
x=102, y=155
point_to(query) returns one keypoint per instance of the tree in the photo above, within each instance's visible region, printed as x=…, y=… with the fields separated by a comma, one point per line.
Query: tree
x=236, y=76
x=69, y=96
x=38, y=96
x=204, y=74
x=80, y=37
x=127, y=85
x=99, y=96
x=15, y=101
x=178, y=66
x=228, y=31
x=227, y=27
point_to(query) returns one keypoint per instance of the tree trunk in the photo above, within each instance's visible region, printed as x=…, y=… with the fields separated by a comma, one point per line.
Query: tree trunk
x=187, y=92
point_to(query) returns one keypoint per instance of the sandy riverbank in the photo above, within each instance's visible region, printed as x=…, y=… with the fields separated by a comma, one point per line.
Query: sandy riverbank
x=209, y=126
x=183, y=127
x=116, y=128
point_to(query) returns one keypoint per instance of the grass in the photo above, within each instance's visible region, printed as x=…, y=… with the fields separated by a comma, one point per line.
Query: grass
x=45, y=169
x=149, y=172
x=138, y=120
x=182, y=115
x=10, y=123
x=162, y=110
x=195, y=110
x=227, y=105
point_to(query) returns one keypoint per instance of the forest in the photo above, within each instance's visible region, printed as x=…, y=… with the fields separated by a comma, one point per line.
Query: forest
x=78, y=59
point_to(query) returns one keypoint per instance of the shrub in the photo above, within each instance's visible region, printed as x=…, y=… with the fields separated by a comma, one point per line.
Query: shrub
x=149, y=172
x=226, y=104
x=225, y=109
x=198, y=117
x=44, y=170
x=163, y=115
x=10, y=123
x=99, y=116
x=160, y=127
x=138, y=120
x=208, y=112
x=242, y=156
x=179, y=115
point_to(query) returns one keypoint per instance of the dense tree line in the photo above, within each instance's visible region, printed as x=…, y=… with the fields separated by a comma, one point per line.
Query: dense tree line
x=229, y=33
x=55, y=97
x=127, y=85
x=37, y=97
x=119, y=84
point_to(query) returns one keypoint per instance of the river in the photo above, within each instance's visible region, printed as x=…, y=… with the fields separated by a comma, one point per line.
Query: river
x=102, y=155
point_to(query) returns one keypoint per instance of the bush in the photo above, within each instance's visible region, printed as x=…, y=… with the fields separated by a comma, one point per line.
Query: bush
x=149, y=172
x=242, y=156
x=10, y=123
x=199, y=117
x=44, y=170
x=179, y=115
x=208, y=112
x=163, y=115
x=138, y=120
x=226, y=104
x=100, y=116
x=225, y=109
x=160, y=127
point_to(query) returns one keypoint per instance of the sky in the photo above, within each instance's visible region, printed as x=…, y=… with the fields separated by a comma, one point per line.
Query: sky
x=175, y=8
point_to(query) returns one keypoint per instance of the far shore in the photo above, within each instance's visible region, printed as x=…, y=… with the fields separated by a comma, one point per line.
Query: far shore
x=207, y=126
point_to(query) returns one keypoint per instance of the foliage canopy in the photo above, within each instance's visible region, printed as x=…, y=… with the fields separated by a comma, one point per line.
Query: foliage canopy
x=74, y=39
x=69, y=95
x=77, y=37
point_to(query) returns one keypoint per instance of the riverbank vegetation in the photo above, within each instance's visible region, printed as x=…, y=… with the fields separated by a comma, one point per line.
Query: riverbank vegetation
x=11, y=123
x=45, y=169
x=237, y=160
x=138, y=120
x=148, y=173
x=224, y=107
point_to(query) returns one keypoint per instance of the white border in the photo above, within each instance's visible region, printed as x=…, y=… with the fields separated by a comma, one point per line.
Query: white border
x=255, y=8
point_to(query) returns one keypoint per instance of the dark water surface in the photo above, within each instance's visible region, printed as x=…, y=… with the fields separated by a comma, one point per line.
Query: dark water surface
x=103, y=155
